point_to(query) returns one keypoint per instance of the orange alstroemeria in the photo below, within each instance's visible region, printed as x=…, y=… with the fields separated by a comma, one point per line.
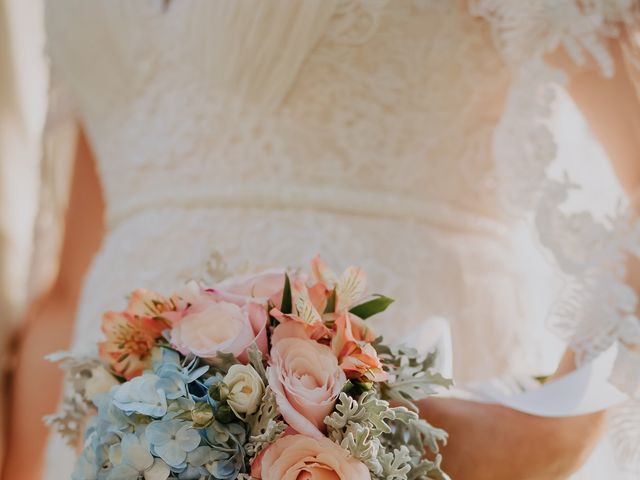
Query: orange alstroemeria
x=356, y=356
x=129, y=340
x=151, y=304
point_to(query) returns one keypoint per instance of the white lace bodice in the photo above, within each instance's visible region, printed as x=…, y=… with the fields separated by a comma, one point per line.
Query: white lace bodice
x=367, y=135
x=371, y=113
x=386, y=133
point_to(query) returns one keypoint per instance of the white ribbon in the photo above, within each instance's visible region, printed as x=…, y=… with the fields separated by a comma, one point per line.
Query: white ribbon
x=583, y=391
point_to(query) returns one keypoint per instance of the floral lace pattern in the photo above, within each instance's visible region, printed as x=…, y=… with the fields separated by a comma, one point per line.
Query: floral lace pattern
x=358, y=101
x=598, y=308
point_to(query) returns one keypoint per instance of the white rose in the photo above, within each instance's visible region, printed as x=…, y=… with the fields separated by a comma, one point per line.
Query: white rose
x=245, y=389
x=100, y=382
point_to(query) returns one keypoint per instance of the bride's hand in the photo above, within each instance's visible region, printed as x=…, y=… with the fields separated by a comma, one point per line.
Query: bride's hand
x=493, y=442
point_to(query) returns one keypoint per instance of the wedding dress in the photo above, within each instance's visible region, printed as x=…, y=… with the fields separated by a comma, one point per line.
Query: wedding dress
x=404, y=136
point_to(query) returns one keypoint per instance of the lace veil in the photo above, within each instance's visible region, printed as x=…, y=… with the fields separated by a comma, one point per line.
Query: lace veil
x=598, y=308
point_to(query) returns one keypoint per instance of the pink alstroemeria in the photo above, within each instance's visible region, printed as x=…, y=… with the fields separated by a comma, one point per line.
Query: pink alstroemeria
x=350, y=287
x=304, y=313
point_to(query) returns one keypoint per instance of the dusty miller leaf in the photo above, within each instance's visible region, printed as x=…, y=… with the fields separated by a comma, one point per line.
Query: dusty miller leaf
x=224, y=361
x=396, y=465
x=256, y=361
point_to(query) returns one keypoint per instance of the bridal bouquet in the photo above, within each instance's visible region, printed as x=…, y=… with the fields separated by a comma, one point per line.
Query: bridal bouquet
x=269, y=376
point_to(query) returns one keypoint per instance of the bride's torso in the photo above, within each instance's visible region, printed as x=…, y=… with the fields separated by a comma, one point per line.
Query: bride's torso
x=374, y=149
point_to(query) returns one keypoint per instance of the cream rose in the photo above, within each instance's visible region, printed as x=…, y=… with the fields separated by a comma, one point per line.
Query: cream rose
x=297, y=456
x=210, y=326
x=245, y=389
x=306, y=380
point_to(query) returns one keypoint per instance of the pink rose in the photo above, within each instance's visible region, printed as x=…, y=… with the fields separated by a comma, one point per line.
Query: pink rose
x=209, y=326
x=295, y=457
x=306, y=380
x=265, y=285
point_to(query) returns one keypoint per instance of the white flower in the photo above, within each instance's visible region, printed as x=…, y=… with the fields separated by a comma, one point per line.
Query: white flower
x=100, y=382
x=245, y=389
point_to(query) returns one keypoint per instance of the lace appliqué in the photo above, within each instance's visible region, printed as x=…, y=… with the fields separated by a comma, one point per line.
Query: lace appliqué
x=598, y=308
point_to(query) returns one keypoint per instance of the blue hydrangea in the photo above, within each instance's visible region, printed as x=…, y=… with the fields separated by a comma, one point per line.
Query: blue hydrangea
x=132, y=460
x=174, y=377
x=221, y=435
x=200, y=390
x=110, y=417
x=120, y=444
x=197, y=462
x=178, y=407
x=94, y=463
x=228, y=456
x=172, y=440
x=141, y=395
x=100, y=435
x=225, y=465
x=206, y=462
x=86, y=468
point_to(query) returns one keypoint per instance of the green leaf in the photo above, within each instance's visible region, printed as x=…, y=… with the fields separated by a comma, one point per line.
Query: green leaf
x=355, y=388
x=219, y=391
x=372, y=307
x=224, y=414
x=541, y=379
x=287, y=301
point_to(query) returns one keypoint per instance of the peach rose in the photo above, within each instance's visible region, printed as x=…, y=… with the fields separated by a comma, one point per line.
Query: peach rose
x=306, y=380
x=209, y=326
x=290, y=330
x=295, y=457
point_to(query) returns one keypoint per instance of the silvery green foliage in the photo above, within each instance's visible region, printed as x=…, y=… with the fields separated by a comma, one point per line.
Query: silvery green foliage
x=257, y=362
x=224, y=361
x=74, y=408
x=265, y=426
x=391, y=441
x=411, y=375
